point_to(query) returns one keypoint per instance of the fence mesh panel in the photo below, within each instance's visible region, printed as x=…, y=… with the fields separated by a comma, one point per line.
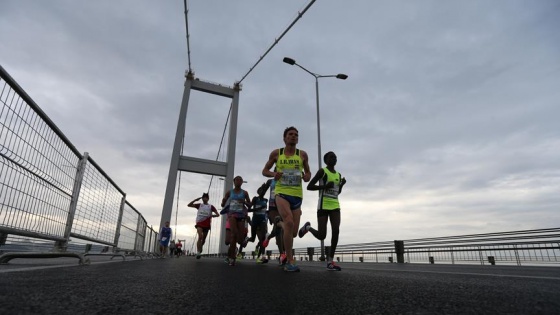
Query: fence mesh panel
x=37, y=169
x=98, y=207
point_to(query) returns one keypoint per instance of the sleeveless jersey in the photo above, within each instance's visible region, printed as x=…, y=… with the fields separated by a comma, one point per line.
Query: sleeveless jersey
x=236, y=201
x=291, y=167
x=261, y=203
x=328, y=198
x=204, y=212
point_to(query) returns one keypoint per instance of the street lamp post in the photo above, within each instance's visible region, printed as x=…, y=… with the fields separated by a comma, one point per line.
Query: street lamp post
x=340, y=76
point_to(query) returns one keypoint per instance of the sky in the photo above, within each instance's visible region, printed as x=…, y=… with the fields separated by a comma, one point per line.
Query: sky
x=446, y=125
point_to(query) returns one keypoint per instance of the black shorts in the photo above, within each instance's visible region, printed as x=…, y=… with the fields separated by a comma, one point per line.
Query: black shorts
x=326, y=213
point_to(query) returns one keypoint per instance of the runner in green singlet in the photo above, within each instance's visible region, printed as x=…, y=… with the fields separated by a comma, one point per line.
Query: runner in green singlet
x=330, y=186
x=290, y=164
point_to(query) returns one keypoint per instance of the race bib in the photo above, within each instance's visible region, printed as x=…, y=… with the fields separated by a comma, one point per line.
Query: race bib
x=205, y=211
x=236, y=206
x=331, y=192
x=291, y=177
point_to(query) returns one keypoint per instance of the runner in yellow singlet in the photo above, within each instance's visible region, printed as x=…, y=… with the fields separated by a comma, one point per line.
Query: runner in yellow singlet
x=290, y=164
x=330, y=186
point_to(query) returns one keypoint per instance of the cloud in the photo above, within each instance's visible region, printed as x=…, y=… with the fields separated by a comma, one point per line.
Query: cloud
x=446, y=125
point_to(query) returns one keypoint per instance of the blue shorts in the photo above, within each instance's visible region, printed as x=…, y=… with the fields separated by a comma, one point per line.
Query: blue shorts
x=164, y=243
x=295, y=202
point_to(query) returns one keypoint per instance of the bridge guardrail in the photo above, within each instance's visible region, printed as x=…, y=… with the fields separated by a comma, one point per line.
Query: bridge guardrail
x=49, y=191
x=524, y=247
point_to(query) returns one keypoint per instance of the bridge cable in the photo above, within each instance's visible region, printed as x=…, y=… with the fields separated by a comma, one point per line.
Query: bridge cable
x=188, y=34
x=217, y=158
x=300, y=14
x=221, y=142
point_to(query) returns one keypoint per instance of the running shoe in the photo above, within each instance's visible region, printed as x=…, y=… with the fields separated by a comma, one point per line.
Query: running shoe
x=265, y=242
x=259, y=260
x=283, y=259
x=333, y=267
x=264, y=260
x=226, y=261
x=304, y=229
x=198, y=256
x=291, y=268
x=239, y=256
x=232, y=262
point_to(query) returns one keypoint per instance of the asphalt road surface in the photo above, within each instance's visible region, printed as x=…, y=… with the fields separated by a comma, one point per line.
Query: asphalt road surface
x=209, y=286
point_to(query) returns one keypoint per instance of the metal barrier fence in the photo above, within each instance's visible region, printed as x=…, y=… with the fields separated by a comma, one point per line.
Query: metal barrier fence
x=49, y=191
x=528, y=247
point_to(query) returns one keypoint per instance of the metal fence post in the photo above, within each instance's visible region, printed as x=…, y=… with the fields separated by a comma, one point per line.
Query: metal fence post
x=516, y=255
x=119, y=222
x=452, y=256
x=399, y=251
x=138, y=247
x=78, y=179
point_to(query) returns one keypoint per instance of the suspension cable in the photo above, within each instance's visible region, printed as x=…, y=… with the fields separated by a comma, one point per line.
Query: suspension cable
x=188, y=35
x=221, y=143
x=300, y=14
x=212, y=178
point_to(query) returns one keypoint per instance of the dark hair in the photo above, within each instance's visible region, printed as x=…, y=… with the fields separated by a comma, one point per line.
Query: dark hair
x=288, y=129
x=238, y=177
x=205, y=195
x=327, y=154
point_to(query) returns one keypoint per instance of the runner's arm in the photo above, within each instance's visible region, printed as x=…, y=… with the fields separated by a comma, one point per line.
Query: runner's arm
x=216, y=214
x=192, y=204
x=272, y=158
x=313, y=183
x=226, y=197
x=306, y=169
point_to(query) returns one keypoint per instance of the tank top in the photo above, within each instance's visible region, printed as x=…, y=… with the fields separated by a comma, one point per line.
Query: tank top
x=261, y=202
x=328, y=198
x=236, y=201
x=291, y=167
x=204, y=212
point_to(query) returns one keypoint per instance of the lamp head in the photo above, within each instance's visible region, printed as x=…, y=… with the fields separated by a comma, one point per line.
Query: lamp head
x=289, y=61
x=342, y=76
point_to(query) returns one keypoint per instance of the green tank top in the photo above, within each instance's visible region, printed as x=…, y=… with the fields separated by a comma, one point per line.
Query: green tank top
x=328, y=198
x=291, y=167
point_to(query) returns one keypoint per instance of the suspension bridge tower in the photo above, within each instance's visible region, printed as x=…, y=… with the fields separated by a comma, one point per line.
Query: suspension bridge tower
x=181, y=163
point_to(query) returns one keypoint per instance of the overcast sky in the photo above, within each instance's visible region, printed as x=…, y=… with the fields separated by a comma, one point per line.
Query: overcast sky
x=447, y=125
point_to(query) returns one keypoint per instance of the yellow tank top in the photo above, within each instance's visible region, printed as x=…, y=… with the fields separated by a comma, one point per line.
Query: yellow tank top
x=328, y=198
x=291, y=167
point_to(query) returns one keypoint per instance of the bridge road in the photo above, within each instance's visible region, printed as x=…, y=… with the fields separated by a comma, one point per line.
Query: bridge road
x=209, y=286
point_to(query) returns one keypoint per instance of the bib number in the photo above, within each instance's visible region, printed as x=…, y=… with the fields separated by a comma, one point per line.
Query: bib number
x=331, y=192
x=291, y=177
x=236, y=206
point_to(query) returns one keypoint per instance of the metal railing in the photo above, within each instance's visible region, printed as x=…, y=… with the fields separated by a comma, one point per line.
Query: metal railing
x=527, y=247
x=52, y=197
